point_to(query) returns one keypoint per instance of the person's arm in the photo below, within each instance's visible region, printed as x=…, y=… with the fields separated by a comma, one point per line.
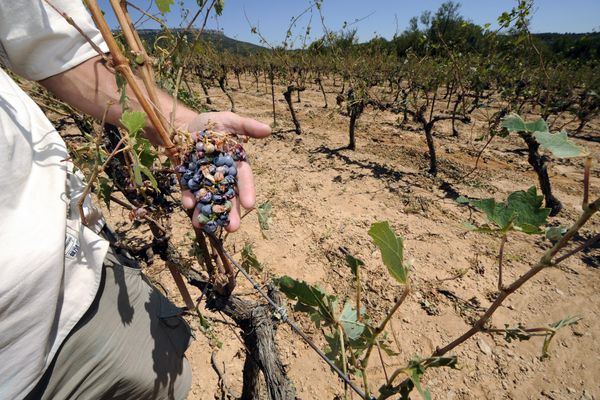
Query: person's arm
x=90, y=86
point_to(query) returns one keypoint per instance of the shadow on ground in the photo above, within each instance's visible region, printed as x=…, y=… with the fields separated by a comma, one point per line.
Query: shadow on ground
x=376, y=170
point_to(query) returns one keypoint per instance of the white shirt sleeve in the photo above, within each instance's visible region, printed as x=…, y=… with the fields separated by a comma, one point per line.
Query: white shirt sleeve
x=36, y=42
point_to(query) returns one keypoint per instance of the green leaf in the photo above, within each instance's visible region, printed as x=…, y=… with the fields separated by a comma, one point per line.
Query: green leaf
x=417, y=367
x=146, y=152
x=518, y=333
x=556, y=326
x=122, y=87
x=164, y=6
x=462, y=200
x=522, y=211
x=415, y=373
x=310, y=299
x=106, y=190
x=137, y=174
x=334, y=353
x=485, y=228
x=536, y=126
x=554, y=233
x=249, y=259
x=146, y=171
x=300, y=290
x=559, y=144
x=390, y=246
x=350, y=323
x=219, y=4
x=368, y=336
x=387, y=349
x=264, y=215
x=133, y=121
x=203, y=323
x=354, y=264
x=436, y=362
x=513, y=123
x=334, y=349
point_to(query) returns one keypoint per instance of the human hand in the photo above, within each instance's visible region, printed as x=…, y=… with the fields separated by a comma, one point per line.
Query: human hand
x=235, y=124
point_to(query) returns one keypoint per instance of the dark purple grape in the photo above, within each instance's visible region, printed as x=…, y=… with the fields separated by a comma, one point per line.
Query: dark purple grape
x=193, y=185
x=229, y=194
x=219, y=160
x=206, y=209
x=217, y=198
x=232, y=171
x=210, y=227
x=229, y=161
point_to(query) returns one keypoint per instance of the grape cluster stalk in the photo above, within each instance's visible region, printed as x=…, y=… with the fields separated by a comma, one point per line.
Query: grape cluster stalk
x=209, y=170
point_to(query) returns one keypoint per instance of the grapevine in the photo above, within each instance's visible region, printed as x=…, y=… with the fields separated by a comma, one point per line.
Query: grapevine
x=421, y=86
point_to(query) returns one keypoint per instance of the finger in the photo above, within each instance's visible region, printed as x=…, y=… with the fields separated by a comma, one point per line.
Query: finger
x=247, y=193
x=234, y=216
x=188, y=200
x=246, y=126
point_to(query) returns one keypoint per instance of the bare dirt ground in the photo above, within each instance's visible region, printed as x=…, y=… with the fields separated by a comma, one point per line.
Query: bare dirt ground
x=325, y=198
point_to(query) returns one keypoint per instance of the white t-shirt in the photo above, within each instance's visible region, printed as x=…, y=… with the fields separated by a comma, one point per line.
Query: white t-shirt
x=50, y=265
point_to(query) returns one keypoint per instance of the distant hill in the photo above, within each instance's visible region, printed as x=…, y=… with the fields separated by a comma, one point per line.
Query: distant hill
x=564, y=45
x=572, y=45
x=215, y=37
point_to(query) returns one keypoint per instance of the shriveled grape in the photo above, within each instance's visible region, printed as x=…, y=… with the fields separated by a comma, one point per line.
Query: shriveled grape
x=209, y=171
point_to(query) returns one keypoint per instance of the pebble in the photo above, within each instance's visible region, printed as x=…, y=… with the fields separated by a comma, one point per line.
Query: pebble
x=484, y=347
x=586, y=396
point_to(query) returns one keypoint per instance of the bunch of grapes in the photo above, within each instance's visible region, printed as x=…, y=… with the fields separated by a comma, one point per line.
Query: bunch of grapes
x=209, y=171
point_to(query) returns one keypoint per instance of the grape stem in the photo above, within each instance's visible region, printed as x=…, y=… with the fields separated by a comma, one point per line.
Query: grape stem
x=500, y=260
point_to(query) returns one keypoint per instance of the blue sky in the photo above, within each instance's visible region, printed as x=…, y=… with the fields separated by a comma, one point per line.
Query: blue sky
x=375, y=17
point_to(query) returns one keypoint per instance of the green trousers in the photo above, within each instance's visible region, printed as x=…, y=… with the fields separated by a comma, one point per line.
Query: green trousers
x=129, y=345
